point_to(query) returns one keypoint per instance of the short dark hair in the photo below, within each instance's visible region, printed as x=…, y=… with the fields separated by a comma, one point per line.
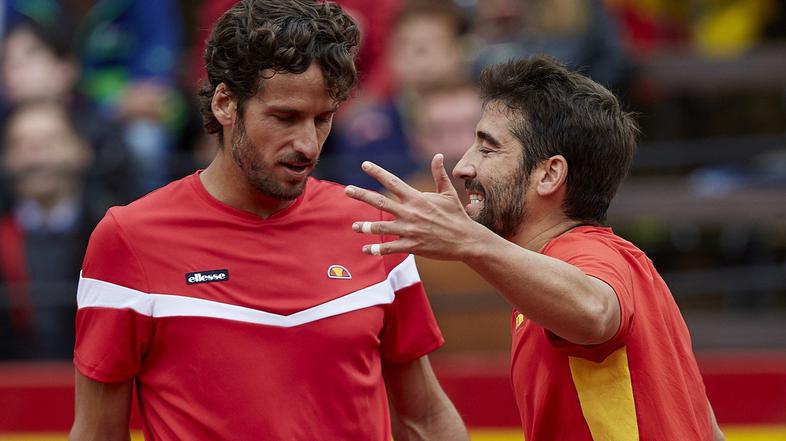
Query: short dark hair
x=280, y=36
x=57, y=38
x=555, y=111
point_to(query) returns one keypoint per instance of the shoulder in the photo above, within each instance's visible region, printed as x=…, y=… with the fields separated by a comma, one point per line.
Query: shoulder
x=320, y=188
x=586, y=244
x=127, y=235
x=589, y=239
x=171, y=199
x=598, y=251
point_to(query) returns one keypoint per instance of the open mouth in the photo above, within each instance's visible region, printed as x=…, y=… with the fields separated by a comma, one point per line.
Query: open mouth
x=296, y=168
x=475, y=192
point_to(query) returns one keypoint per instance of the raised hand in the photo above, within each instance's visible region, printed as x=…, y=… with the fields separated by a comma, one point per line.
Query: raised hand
x=432, y=225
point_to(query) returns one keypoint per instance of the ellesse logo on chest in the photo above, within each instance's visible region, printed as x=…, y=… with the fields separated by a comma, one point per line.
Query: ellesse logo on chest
x=338, y=272
x=220, y=275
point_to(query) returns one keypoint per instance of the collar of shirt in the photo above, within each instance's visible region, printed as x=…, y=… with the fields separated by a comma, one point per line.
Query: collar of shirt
x=59, y=219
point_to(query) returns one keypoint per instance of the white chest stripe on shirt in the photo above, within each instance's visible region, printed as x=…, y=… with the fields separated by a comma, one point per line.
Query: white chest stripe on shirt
x=99, y=294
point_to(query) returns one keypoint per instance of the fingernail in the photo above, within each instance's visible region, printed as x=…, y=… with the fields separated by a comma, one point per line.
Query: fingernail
x=366, y=165
x=350, y=190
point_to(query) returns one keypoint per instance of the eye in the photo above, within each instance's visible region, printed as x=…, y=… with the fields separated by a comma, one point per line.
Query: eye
x=324, y=119
x=485, y=151
x=284, y=117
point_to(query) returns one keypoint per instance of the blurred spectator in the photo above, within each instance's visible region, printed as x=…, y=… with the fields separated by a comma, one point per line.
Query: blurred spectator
x=425, y=49
x=445, y=123
x=581, y=33
x=52, y=210
x=426, y=46
x=128, y=51
x=38, y=64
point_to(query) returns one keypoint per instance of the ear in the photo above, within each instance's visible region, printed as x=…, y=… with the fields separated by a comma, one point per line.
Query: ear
x=224, y=106
x=553, y=175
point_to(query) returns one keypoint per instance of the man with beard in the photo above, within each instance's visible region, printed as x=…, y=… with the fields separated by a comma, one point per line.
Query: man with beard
x=600, y=349
x=237, y=300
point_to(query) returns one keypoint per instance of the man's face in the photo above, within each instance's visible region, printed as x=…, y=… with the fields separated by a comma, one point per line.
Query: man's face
x=493, y=175
x=43, y=154
x=447, y=121
x=425, y=50
x=277, y=138
x=29, y=70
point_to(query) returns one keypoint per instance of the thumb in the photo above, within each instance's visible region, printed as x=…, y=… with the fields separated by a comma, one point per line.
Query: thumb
x=441, y=178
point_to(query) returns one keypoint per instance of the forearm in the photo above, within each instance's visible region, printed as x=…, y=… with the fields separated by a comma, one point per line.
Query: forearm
x=82, y=432
x=102, y=410
x=441, y=422
x=419, y=408
x=558, y=296
x=552, y=293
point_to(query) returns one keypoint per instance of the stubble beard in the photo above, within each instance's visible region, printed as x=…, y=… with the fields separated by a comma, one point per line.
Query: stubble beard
x=503, y=205
x=258, y=173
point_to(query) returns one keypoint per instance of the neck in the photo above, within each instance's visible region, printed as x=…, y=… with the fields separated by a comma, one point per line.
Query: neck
x=225, y=182
x=66, y=191
x=536, y=232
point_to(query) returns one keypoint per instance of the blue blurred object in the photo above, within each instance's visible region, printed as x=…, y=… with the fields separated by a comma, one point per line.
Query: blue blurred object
x=374, y=133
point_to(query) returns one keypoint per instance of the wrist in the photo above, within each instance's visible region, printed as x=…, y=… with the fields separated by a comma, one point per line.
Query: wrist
x=477, y=246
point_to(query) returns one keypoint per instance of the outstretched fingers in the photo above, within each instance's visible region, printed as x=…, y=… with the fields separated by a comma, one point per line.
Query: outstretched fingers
x=380, y=228
x=377, y=228
x=441, y=177
x=373, y=198
x=385, y=248
x=391, y=182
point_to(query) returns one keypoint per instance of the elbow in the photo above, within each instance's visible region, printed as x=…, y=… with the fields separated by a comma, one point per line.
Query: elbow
x=601, y=322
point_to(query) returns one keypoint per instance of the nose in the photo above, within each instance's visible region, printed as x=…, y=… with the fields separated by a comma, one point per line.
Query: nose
x=464, y=169
x=306, y=141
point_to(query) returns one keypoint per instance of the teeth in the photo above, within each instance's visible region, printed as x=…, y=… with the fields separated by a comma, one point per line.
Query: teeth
x=475, y=199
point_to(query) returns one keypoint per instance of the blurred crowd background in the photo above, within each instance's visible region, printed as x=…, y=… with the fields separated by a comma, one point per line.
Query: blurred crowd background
x=97, y=108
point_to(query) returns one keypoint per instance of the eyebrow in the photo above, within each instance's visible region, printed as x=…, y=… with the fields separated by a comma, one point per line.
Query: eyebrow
x=486, y=137
x=284, y=109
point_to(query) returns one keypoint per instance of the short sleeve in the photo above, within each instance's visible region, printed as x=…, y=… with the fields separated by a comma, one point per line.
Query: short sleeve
x=600, y=260
x=113, y=321
x=411, y=330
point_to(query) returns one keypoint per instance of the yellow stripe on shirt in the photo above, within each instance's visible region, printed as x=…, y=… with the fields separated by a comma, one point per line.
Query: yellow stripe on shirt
x=606, y=396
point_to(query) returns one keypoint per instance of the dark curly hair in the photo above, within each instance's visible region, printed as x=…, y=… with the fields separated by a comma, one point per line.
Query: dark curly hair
x=277, y=36
x=555, y=111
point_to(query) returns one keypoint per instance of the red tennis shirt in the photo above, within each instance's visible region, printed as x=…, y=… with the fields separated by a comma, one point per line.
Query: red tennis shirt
x=242, y=328
x=643, y=384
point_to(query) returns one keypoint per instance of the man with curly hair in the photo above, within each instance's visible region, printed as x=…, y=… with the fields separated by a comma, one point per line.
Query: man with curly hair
x=236, y=301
